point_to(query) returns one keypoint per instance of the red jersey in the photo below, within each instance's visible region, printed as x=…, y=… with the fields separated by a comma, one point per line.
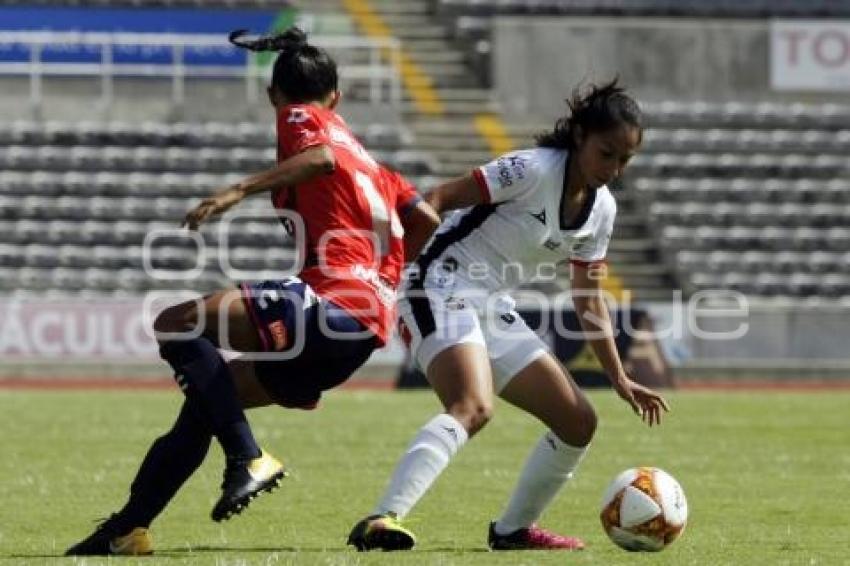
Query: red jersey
x=353, y=249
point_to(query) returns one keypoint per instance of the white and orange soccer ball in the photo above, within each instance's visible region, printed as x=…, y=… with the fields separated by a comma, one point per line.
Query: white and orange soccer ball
x=644, y=509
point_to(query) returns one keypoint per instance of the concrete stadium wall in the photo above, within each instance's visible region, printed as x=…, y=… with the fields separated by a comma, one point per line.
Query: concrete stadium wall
x=755, y=339
x=110, y=337
x=538, y=61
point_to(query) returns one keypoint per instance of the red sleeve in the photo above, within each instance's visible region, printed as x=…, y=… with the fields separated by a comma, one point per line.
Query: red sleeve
x=407, y=197
x=298, y=127
x=482, y=184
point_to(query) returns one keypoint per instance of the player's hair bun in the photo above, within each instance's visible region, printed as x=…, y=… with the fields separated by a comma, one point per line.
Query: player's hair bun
x=291, y=40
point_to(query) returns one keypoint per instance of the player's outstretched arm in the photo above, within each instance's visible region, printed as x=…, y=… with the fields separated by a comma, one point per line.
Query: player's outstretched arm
x=595, y=320
x=312, y=162
x=419, y=225
x=457, y=193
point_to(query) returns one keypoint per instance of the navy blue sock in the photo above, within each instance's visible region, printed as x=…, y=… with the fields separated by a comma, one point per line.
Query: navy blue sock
x=170, y=461
x=205, y=379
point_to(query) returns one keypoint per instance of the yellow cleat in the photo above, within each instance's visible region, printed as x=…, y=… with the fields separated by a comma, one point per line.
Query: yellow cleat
x=106, y=540
x=137, y=543
x=243, y=481
x=382, y=532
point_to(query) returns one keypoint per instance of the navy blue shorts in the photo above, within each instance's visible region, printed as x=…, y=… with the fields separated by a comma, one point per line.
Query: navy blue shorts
x=316, y=345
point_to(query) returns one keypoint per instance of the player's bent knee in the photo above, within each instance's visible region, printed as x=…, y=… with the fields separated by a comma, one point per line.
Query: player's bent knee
x=581, y=428
x=472, y=414
x=587, y=427
x=176, y=319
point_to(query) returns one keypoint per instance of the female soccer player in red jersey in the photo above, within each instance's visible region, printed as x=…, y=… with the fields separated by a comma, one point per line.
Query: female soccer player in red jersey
x=537, y=206
x=322, y=324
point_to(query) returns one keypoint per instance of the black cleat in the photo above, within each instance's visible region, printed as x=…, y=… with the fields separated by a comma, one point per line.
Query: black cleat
x=110, y=538
x=243, y=481
x=382, y=532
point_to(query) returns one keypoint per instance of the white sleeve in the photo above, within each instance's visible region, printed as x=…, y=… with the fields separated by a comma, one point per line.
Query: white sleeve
x=508, y=177
x=595, y=247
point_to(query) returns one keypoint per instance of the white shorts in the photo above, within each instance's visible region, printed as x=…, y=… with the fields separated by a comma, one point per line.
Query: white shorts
x=440, y=316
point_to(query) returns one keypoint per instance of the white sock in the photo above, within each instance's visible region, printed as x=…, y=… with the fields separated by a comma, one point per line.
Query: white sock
x=547, y=469
x=426, y=457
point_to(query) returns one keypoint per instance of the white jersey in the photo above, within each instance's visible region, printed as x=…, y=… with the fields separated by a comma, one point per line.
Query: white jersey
x=517, y=235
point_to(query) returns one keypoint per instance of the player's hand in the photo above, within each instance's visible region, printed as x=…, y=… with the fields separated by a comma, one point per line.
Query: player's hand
x=211, y=206
x=643, y=400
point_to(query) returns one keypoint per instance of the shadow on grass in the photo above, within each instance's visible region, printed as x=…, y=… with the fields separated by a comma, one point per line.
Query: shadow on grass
x=185, y=552
x=176, y=552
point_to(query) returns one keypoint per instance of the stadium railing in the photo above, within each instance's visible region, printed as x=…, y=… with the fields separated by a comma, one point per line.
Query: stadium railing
x=374, y=67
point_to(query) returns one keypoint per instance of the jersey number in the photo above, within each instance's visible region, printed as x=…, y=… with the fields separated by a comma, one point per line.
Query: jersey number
x=385, y=222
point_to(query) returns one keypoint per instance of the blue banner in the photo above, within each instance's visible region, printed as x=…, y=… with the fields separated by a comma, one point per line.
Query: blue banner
x=182, y=21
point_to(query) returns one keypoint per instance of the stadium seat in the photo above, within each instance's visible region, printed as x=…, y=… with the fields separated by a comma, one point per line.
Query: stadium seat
x=92, y=232
x=72, y=256
x=12, y=256
x=36, y=279
x=95, y=279
x=30, y=231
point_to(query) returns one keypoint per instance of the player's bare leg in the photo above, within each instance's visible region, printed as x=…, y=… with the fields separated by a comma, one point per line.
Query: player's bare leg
x=545, y=390
x=460, y=375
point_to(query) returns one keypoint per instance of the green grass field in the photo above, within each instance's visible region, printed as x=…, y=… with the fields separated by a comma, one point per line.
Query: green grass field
x=767, y=477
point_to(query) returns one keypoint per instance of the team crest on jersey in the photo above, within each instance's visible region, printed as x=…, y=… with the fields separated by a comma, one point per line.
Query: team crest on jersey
x=297, y=116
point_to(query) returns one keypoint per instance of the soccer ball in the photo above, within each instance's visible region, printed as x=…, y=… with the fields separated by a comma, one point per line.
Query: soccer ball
x=644, y=509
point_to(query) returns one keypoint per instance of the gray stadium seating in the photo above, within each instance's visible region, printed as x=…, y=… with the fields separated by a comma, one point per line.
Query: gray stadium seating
x=78, y=199
x=748, y=197
x=759, y=205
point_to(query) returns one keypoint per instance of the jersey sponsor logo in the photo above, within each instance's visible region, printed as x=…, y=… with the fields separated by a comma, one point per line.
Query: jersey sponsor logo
x=384, y=291
x=540, y=216
x=579, y=242
x=455, y=304
x=510, y=169
x=451, y=431
x=551, y=245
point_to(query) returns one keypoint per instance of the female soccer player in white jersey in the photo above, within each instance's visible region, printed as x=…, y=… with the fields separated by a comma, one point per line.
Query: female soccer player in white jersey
x=547, y=204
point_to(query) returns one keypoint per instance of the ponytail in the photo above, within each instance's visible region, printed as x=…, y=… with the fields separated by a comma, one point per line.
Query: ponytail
x=290, y=40
x=302, y=72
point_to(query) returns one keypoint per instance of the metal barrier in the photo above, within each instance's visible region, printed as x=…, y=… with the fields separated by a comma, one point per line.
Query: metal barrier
x=379, y=72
